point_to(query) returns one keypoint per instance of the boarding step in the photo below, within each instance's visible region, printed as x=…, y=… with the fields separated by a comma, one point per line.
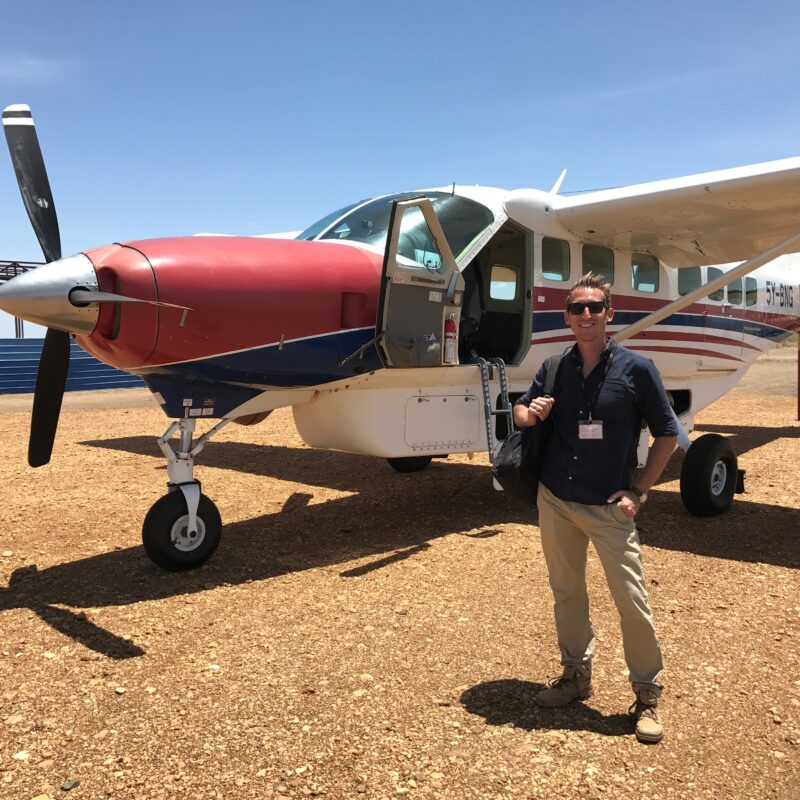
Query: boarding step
x=487, y=368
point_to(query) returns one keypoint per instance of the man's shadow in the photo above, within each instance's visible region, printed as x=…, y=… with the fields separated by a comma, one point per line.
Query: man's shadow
x=512, y=701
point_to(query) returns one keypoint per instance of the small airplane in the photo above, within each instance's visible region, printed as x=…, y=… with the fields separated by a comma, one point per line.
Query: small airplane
x=402, y=326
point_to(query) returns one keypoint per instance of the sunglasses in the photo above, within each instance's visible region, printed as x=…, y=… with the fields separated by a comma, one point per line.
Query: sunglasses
x=595, y=307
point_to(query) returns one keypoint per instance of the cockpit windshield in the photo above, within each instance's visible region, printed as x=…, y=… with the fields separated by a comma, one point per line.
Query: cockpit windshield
x=368, y=222
x=321, y=224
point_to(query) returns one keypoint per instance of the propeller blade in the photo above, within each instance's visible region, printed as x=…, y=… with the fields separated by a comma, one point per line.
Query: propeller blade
x=26, y=156
x=85, y=296
x=50, y=382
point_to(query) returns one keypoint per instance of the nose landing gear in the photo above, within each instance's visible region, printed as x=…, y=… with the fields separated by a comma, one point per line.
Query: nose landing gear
x=182, y=529
x=167, y=537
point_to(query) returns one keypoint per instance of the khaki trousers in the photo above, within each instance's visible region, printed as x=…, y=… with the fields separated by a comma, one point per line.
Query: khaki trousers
x=566, y=530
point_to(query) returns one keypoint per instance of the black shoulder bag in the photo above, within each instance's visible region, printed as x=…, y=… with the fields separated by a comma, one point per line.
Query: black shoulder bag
x=518, y=462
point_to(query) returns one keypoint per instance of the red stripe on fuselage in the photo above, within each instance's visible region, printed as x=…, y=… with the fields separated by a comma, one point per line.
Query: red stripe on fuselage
x=555, y=299
x=683, y=350
x=695, y=337
x=657, y=335
x=630, y=344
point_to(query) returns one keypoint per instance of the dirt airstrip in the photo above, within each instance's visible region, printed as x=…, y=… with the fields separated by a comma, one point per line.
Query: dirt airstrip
x=361, y=633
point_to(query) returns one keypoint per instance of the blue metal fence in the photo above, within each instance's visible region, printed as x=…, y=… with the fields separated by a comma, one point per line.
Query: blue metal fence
x=19, y=360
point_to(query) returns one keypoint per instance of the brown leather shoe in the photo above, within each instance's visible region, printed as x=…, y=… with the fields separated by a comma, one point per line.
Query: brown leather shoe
x=649, y=728
x=574, y=684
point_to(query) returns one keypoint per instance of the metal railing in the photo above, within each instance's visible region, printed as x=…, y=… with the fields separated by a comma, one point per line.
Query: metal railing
x=10, y=269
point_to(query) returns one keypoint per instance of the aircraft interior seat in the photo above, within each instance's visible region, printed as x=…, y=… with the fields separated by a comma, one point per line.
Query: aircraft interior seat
x=498, y=335
x=471, y=311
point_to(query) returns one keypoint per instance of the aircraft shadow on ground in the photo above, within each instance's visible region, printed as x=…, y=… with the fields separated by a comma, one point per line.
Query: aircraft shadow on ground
x=771, y=538
x=511, y=702
x=750, y=437
x=390, y=517
x=748, y=531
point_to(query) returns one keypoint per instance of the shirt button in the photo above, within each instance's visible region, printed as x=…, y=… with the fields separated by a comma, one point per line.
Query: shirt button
x=570, y=477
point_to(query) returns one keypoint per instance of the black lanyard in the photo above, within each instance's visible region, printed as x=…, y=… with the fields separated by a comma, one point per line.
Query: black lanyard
x=591, y=403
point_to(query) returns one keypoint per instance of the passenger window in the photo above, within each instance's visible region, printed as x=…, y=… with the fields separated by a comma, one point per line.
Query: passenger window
x=644, y=272
x=751, y=291
x=555, y=259
x=689, y=279
x=599, y=260
x=503, y=283
x=735, y=292
x=713, y=274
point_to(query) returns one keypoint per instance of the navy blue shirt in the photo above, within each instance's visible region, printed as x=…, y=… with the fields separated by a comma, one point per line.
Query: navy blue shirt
x=590, y=470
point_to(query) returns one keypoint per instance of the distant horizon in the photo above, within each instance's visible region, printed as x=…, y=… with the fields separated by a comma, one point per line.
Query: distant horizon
x=173, y=119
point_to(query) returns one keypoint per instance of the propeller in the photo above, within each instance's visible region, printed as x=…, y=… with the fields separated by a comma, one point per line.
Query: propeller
x=82, y=297
x=51, y=378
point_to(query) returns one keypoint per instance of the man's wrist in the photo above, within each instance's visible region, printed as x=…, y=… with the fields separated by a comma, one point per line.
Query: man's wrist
x=640, y=494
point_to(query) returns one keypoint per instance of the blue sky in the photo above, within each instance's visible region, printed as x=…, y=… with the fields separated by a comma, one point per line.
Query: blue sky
x=172, y=118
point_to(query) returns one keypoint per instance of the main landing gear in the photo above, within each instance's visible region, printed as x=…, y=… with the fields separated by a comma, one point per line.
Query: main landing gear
x=710, y=473
x=409, y=463
x=710, y=476
x=182, y=530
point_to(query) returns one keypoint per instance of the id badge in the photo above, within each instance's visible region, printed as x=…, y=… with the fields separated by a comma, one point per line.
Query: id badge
x=590, y=430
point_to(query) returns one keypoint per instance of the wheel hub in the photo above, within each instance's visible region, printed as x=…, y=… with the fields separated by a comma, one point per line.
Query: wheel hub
x=181, y=538
x=719, y=477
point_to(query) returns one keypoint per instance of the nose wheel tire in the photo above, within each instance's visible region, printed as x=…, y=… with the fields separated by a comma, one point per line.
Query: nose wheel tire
x=709, y=475
x=409, y=463
x=166, y=536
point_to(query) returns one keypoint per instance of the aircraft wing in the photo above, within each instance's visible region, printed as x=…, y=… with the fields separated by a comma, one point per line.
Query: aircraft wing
x=710, y=218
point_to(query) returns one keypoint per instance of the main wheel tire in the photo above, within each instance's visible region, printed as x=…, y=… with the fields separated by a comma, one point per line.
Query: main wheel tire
x=708, y=475
x=409, y=463
x=165, y=536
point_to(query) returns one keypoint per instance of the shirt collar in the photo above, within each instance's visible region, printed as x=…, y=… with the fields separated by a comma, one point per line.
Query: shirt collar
x=576, y=354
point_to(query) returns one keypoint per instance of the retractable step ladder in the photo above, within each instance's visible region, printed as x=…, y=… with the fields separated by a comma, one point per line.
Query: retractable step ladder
x=487, y=367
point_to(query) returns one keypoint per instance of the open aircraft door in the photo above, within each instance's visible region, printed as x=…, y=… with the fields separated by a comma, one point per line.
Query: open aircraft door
x=421, y=291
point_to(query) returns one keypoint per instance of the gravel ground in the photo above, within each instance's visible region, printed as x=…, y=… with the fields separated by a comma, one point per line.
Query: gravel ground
x=366, y=634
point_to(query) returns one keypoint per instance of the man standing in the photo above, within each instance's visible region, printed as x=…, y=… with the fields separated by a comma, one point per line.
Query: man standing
x=602, y=394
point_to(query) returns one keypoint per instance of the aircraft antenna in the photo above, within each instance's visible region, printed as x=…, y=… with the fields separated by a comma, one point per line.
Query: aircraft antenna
x=557, y=184
x=453, y=190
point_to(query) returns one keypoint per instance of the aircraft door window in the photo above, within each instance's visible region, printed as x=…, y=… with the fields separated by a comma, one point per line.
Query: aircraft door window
x=504, y=282
x=751, y=291
x=644, y=272
x=689, y=279
x=734, y=290
x=555, y=259
x=599, y=260
x=713, y=274
x=416, y=246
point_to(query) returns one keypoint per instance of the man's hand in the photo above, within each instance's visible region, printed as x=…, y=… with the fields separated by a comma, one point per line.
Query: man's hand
x=628, y=501
x=539, y=409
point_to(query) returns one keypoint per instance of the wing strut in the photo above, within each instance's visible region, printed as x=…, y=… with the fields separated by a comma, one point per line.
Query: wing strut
x=786, y=246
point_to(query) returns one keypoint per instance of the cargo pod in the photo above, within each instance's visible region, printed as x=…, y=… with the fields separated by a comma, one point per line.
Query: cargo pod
x=421, y=291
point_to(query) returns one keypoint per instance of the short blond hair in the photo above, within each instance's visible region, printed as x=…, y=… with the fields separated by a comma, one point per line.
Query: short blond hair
x=592, y=281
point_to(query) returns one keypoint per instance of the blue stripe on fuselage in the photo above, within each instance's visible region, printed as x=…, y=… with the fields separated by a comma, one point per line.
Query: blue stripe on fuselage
x=544, y=321
x=225, y=382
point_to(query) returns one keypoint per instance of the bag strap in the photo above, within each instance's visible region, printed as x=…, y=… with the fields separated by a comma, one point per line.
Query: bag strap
x=553, y=364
